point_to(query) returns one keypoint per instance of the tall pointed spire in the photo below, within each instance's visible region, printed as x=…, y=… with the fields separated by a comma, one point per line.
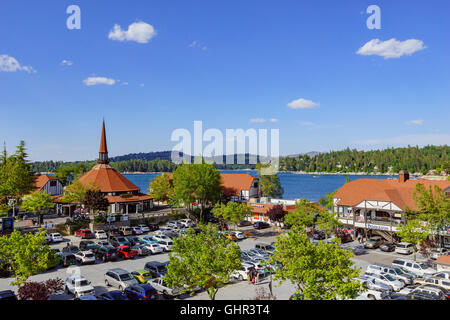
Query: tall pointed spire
x=103, y=152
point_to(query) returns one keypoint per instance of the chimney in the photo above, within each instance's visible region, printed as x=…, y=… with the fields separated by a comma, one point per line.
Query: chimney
x=403, y=175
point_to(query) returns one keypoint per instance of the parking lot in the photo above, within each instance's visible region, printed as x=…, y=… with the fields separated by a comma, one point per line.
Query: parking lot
x=236, y=290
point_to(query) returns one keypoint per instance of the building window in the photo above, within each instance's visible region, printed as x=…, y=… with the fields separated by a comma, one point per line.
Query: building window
x=53, y=183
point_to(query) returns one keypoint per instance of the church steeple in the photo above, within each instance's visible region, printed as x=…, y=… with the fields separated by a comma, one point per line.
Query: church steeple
x=103, y=152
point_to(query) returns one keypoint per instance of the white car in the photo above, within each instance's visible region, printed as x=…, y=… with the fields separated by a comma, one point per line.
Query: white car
x=85, y=257
x=404, y=248
x=154, y=248
x=166, y=245
x=238, y=234
x=419, y=268
x=436, y=253
x=144, y=228
x=242, y=273
x=387, y=279
x=174, y=225
x=78, y=285
x=186, y=223
x=56, y=237
x=162, y=231
x=160, y=285
x=137, y=230
x=100, y=234
x=443, y=274
x=161, y=237
x=370, y=294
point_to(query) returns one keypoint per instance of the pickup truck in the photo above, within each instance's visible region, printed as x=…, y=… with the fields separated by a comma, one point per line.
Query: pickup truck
x=160, y=285
x=78, y=285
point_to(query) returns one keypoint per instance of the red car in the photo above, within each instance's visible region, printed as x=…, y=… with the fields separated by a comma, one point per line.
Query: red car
x=126, y=252
x=84, y=234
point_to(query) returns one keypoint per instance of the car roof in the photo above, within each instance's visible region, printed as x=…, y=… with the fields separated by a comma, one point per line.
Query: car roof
x=77, y=277
x=118, y=270
x=156, y=263
x=404, y=243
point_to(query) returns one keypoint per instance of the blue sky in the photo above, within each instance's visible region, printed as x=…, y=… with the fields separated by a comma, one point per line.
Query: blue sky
x=225, y=63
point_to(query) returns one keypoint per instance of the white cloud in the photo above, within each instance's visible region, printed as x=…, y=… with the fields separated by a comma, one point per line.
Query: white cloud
x=193, y=44
x=258, y=120
x=10, y=64
x=302, y=104
x=391, y=48
x=66, y=63
x=92, y=81
x=416, y=122
x=273, y=120
x=140, y=32
x=125, y=83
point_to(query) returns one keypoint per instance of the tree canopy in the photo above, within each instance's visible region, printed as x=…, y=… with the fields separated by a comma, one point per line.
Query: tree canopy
x=232, y=211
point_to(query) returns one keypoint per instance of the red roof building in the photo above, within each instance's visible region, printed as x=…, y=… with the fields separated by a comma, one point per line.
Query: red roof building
x=122, y=194
x=380, y=204
x=49, y=184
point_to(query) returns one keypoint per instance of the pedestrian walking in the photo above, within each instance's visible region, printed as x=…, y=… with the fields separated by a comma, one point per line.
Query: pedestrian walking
x=359, y=238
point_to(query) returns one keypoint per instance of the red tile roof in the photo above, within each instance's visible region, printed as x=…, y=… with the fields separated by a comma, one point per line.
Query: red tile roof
x=234, y=183
x=41, y=180
x=134, y=198
x=399, y=193
x=108, y=179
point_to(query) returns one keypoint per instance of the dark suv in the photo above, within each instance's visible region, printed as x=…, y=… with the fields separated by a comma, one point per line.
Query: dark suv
x=156, y=269
x=261, y=225
x=88, y=245
x=106, y=254
x=120, y=241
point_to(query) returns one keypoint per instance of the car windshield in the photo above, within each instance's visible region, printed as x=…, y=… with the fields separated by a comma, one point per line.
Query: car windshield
x=125, y=277
x=399, y=271
x=389, y=277
x=423, y=265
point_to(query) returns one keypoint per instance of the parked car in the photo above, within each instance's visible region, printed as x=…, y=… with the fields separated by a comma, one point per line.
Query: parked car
x=245, y=256
x=149, y=239
x=421, y=269
x=7, y=295
x=395, y=272
x=434, y=280
x=85, y=257
x=141, y=292
x=387, y=247
x=443, y=275
x=86, y=297
x=161, y=237
x=154, y=248
x=174, y=225
x=431, y=290
x=186, y=223
x=373, y=242
x=395, y=296
x=106, y=253
x=88, y=245
x=436, y=253
x=113, y=295
x=71, y=249
x=424, y=296
x=160, y=285
x=125, y=231
x=374, y=284
x=78, y=285
x=385, y=278
x=238, y=234
x=318, y=235
x=242, y=273
x=144, y=228
x=166, y=245
x=136, y=230
x=404, y=248
x=67, y=259
x=344, y=237
x=133, y=240
x=141, y=250
x=104, y=244
x=230, y=236
x=126, y=252
x=257, y=254
x=261, y=225
x=56, y=237
x=156, y=269
x=265, y=247
x=84, y=234
x=244, y=223
x=119, y=278
x=142, y=276
x=162, y=231
x=120, y=241
x=100, y=234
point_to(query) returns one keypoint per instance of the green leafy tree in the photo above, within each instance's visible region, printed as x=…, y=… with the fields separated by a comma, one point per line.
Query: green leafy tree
x=414, y=231
x=319, y=272
x=304, y=214
x=197, y=182
x=232, y=211
x=328, y=222
x=270, y=183
x=76, y=192
x=65, y=174
x=205, y=260
x=161, y=188
x=27, y=254
x=37, y=203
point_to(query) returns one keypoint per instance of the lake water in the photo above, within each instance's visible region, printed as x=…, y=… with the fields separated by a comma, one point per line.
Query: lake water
x=311, y=187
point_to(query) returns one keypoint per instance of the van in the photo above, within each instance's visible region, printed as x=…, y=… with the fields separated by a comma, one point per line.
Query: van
x=265, y=247
x=125, y=231
x=404, y=248
x=420, y=269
